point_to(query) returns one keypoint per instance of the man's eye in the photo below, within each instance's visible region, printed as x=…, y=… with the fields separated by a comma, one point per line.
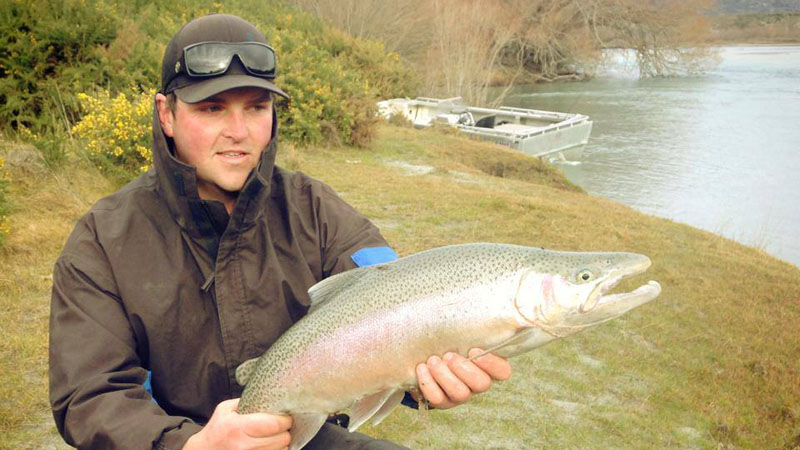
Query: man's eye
x=208, y=107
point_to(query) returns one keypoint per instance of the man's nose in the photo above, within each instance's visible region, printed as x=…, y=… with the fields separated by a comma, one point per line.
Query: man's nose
x=235, y=125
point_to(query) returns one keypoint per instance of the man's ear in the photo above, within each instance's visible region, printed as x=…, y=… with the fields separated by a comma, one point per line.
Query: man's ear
x=165, y=114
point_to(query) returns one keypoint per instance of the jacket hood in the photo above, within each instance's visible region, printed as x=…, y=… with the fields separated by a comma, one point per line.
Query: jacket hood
x=177, y=183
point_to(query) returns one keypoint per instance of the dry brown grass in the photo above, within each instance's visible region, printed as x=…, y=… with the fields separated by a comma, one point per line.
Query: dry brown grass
x=714, y=363
x=46, y=204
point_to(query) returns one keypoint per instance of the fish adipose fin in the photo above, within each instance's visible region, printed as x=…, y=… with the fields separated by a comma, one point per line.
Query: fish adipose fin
x=245, y=371
x=372, y=404
x=304, y=427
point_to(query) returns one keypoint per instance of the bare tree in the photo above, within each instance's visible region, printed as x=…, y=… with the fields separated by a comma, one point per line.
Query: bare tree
x=470, y=46
x=464, y=47
x=404, y=26
x=667, y=35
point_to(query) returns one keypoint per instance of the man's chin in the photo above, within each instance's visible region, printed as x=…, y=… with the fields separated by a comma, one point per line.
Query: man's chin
x=231, y=189
x=225, y=189
x=232, y=182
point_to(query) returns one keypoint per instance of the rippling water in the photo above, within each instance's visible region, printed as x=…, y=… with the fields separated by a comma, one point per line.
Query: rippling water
x=720, y=151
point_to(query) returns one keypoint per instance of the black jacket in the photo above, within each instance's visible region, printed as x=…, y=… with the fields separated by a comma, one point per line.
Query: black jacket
x=155, y=279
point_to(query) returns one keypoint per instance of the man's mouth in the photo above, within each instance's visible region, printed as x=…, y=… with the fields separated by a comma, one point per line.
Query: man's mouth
x=232, y=155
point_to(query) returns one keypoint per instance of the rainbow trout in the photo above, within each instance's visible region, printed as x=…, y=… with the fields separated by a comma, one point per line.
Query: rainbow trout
x=368, y=328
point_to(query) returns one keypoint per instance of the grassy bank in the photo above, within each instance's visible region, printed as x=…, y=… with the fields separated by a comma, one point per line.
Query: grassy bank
x=714, y=363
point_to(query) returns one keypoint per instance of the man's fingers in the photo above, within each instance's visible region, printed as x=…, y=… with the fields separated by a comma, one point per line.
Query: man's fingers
x=228, y=405
x=470, y=374
x=450, y=381
x=453, y=387
x=262, y=424
x=496, y=367
x=278, y=441
x=428, y=386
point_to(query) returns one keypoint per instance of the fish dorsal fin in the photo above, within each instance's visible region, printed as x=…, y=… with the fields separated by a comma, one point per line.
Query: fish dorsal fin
x=245, y=371
x=304, y=427
x=395, y=399
x=368, y=406
x=332, y=286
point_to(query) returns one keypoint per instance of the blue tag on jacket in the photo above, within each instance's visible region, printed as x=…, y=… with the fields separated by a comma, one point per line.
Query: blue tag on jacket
x=369, y=256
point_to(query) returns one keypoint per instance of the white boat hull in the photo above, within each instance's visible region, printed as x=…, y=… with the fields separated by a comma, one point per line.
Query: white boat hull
x=544, y=134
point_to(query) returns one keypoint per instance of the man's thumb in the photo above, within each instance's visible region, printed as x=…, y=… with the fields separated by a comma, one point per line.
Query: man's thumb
x=228, y=405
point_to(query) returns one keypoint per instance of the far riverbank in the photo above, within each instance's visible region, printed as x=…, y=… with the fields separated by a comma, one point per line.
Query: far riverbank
x=716, y=151
x=756, y=28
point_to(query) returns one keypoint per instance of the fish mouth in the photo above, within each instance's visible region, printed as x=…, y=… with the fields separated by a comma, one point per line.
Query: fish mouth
x=627, y=300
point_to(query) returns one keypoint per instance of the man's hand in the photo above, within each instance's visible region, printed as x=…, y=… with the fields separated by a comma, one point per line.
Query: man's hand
x=450, y=381
x=228, y=429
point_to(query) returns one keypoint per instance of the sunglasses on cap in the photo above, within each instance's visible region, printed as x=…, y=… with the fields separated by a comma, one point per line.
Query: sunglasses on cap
x=208, y=59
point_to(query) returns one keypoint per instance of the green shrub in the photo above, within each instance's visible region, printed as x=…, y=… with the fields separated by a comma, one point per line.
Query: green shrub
x=332, y=78
x=386, y=74
x=53, y=50
x=46, y=49
x=50, y=50
x=323, y=91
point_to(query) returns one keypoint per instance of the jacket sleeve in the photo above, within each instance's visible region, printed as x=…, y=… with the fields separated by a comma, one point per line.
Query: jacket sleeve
x=348, y=239
x=96, y=376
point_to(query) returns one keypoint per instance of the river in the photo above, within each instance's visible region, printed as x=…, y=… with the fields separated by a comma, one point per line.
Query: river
x=719, y=151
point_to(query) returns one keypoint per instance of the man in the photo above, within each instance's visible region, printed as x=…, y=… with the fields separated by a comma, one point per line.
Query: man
x=201, y=263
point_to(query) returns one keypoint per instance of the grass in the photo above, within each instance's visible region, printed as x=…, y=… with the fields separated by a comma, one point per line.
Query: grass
x=713, y=363
x=45, y=206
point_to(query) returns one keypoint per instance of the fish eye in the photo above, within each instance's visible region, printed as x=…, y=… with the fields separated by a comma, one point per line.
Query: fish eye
x=584, y=275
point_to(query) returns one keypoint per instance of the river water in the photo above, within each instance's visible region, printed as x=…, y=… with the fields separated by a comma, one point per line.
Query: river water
x=719, y=151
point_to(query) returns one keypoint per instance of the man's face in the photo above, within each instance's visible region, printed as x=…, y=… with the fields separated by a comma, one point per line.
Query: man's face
x=222, y=136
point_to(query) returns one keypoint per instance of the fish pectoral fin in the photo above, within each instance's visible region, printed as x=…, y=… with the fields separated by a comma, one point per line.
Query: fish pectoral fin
x=368, y=406
x=391, y=403
x=304, y=427
x=516, y=338
x=245, y=371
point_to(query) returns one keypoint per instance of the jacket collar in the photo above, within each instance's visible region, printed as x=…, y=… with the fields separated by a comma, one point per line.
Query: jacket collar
x=177, y=184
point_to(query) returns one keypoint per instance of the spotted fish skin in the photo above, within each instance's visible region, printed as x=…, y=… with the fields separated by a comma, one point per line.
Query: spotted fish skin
x=369, y=327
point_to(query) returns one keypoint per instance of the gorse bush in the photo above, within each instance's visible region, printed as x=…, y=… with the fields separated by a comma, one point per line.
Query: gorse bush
x=53, y=50
x=50, y=50
x=117, y=130
x=332, y=78
x=324, y=92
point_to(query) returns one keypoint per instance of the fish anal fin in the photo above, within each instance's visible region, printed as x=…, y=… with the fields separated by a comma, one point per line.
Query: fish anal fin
x=363, y=409
x=395, y=399
x=245, y=371
x=304, y=427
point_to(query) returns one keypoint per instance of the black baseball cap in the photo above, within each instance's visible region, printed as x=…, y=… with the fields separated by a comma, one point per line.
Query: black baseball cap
x=214, y=28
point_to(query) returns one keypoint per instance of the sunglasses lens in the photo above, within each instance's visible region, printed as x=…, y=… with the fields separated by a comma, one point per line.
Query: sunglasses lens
x=257, y=58
x=213, y=58
x=207, y=59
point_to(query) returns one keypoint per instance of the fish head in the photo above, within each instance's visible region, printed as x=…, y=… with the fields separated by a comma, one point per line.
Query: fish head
x=569, y=291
